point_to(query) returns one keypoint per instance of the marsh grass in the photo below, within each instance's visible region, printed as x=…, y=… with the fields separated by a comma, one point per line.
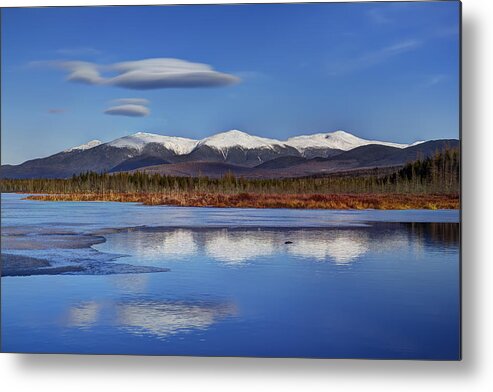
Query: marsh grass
x=252, y=200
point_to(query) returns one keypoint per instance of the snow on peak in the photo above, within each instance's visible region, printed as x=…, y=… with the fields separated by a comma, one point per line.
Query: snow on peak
x=223, y=141
x=339, y=140
x=87, y=146
x=235, y=138
x=137, y=141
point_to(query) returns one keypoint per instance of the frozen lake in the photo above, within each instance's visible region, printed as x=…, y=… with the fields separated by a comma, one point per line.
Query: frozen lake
x=241, y=282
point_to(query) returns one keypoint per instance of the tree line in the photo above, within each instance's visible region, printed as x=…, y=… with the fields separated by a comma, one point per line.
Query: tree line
x=437, y=174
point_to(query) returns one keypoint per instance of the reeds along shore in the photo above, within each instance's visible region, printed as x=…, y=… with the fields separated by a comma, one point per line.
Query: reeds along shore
x=431, y=183
x=249, y=200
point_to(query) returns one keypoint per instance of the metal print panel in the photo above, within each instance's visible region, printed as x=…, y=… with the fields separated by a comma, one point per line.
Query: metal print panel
x=270, y=180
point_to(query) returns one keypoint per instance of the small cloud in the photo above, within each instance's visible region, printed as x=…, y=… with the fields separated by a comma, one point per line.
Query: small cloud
x=128, y=110
x=167, y=73
x=434, y=80
x=56, y=111
x=397, y=48
x=378, y=17
x=78, y=51
x=132, y=101
x=373, y=58
x=157, y=73
x=82, y=72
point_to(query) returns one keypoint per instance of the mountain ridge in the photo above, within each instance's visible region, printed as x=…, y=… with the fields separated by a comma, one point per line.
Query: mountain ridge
x=233, y=147
x=360, y=158
x=338, y=140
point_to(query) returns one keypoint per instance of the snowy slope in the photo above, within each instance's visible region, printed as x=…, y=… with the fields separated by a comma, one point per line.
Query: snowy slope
x=87, y=146
x=235, y=138
x=224, y=141
x=339, y=140
x=137, y=141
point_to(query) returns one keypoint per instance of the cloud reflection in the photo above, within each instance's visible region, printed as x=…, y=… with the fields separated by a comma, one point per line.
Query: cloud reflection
x=157, y=318
x=163, y=319
x=84, y=314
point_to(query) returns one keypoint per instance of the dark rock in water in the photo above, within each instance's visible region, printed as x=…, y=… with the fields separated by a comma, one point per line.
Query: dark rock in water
x=116, y=268
x=82, y=260
x=18, y=265
x=288, y=242
x=13, y=265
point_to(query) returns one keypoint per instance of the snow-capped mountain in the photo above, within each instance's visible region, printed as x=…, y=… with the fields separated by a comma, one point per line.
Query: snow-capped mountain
x=224, y=140
x=338, y=140
x=239, y=148
x=138, y=141
x=231, y=148
x=86, y=146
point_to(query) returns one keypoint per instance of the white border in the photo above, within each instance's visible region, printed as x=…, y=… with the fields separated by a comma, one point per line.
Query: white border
x=112, y=373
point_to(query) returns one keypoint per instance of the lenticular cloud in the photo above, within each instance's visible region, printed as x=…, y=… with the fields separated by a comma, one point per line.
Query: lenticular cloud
x=148, y=74
x=132, y=101
x=128, y=110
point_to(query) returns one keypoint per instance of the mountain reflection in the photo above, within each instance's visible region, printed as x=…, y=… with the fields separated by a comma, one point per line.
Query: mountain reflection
x=174, y=244
x=339, y=246
x=158, y=318
x=237, y=246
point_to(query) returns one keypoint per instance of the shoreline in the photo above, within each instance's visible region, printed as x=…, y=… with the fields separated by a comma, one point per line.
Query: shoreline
x=335, y=201
x=20, y=240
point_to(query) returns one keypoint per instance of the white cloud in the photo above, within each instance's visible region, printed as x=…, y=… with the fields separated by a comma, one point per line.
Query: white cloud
x=147, y=74
x=82, y=72
x=128, y=110
x=132, y=101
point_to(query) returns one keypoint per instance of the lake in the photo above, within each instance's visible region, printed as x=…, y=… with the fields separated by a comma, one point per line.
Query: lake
x=241, y=282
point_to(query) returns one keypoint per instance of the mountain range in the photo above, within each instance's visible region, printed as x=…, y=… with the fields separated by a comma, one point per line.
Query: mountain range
x=232, y=151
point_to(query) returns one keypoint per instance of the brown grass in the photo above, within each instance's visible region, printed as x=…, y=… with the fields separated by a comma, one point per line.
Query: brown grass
x=252, y=200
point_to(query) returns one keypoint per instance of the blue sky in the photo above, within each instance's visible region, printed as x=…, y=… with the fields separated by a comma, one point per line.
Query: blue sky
x=387, y=71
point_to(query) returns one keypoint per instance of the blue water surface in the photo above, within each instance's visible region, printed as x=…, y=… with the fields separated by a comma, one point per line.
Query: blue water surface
x=242, y=282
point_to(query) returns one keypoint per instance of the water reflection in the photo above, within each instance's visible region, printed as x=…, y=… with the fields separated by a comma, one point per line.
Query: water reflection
x=341, y=247
x=131, y=283
x=445, y=234
x=163, y=319
x=239, y=246
x=84, y=314
x=175, y=244
x=142, y=317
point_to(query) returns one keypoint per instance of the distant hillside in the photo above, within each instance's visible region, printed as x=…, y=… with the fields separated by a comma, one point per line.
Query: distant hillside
x=197, y=169
x=234, y=151
x=365, y=157
x=138, y=162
